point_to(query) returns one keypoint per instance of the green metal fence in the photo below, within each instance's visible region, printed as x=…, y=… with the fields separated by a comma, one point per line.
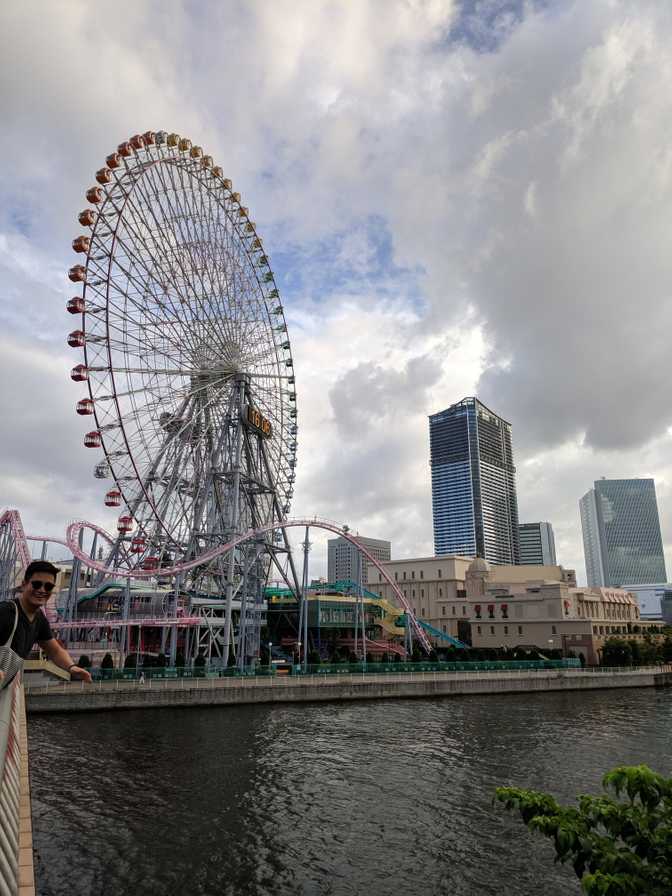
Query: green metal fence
x=172, y=672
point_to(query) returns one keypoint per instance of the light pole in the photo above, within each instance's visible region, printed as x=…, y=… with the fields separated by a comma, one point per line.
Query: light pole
x=298, y=653
x=270, y=664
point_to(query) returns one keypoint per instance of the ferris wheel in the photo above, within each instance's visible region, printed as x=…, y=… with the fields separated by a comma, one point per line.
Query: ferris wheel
x=186, y=357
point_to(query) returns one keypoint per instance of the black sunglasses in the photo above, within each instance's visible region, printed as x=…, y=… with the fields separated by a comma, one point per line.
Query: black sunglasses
x=47, y=586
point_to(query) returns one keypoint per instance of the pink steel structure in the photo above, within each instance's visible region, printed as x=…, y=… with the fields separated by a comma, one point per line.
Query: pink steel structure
x=11, y=518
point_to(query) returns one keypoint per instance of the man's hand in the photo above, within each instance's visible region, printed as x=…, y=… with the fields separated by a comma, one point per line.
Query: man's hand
x=79, y=674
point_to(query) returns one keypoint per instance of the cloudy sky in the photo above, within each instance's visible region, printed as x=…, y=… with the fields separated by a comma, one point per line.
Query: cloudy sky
x=457, y=198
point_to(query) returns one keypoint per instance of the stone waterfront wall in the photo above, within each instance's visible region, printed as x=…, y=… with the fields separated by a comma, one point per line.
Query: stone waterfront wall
x=16, y=838
x=78, y=697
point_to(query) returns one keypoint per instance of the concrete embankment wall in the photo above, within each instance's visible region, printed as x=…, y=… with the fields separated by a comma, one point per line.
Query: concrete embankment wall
x=16, y=839
x=79, y=697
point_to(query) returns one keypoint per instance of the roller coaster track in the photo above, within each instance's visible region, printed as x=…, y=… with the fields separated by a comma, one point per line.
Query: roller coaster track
x=11, y=521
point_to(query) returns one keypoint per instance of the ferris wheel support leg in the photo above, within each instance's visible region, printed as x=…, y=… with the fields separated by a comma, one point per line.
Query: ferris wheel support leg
x=242, y=621
x=235, y=514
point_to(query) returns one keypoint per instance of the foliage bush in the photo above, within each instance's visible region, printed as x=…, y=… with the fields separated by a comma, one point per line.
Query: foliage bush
x=131, y=661
x=619, y=844
x=107, y=662
x=84, y=662
x=199, y=662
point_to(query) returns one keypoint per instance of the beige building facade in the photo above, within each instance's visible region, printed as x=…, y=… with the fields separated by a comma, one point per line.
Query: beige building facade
x=513, y=606
x=433, y=586
x=549, y=614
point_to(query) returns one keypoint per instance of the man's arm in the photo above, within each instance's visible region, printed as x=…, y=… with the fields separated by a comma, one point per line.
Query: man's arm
x=61, y=658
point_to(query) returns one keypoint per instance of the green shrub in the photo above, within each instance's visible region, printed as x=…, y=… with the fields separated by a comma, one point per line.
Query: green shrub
x=619, y=844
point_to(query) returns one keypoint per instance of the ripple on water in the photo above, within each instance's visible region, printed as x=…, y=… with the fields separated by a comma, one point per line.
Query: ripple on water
x=338, y=799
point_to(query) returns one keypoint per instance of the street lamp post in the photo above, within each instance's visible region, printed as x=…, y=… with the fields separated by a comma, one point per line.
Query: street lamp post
x=270, y=656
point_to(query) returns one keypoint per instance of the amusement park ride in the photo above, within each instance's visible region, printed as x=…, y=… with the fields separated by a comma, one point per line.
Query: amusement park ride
x=191, y=394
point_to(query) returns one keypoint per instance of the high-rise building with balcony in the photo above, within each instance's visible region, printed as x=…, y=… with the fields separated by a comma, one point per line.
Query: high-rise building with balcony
x=537, y=544
x=621, y=533
x=474, y=502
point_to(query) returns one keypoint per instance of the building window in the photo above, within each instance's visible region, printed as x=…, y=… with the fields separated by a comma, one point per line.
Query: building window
x=380, y=577
x=553, y=630
x=520, y=629
x=396, y=577
x=413, y=593
x=443, y=611
x=478, y=629
x=492, y=629
x=444, y=629
x=404, y=575
x=440, y=592
x=412, y=573
x=464, y=611
x=422, y=592
x=439, y=576
x=506, y=629
x=453, y=611
x=422, y=575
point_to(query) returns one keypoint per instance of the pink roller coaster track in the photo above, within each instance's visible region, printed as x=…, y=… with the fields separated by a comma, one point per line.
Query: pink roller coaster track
x=12, y=519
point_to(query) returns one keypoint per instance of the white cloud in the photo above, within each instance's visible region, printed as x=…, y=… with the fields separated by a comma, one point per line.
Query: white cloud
x=439, y=212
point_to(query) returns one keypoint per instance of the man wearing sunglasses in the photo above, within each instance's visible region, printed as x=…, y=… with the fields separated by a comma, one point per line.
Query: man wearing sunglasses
x=32, y=625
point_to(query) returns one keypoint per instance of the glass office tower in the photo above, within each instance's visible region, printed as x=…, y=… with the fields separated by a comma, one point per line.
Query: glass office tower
x=537, y=544
x=474, y=502
x=621, y=533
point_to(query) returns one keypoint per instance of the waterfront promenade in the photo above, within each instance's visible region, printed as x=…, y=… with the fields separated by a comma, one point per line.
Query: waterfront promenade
x=111, y=695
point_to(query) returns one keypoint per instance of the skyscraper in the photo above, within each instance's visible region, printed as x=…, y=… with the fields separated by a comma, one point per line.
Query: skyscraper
x=621, y=533
x=537, y=544
x=343, y=557
x=474, y=503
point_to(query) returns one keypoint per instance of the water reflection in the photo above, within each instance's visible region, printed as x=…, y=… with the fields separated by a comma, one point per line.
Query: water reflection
x=346, y=798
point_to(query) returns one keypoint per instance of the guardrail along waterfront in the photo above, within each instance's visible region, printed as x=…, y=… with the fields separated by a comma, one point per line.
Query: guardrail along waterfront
x=211, y=691
x=16, y=841
x=171, y=672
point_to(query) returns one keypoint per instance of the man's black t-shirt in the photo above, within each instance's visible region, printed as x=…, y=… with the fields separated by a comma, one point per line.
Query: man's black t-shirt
x=27, y=632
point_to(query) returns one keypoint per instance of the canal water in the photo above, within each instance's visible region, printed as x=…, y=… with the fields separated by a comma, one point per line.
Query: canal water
x=366, y=798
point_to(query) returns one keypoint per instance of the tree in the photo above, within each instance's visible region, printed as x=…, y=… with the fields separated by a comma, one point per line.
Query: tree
x=131, y=661
x=107, y=662
x=620, y=844
x=616, y=652
x=199, y=662
x=84, y=661
x=179, y=658
x=666, y=650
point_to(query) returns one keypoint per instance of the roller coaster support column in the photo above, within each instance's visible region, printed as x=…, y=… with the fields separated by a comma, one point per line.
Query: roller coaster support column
x=124, y=635
x=303, y=615
x=360, y=590
x=235, y=516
